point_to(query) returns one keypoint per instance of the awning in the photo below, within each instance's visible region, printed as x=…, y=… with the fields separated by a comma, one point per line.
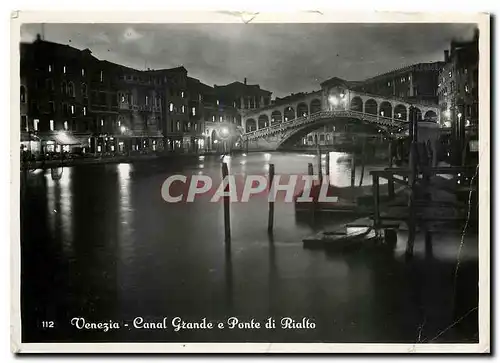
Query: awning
x=64, y=138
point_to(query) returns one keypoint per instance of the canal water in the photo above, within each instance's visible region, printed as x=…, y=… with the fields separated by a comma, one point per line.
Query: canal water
x=102, y=244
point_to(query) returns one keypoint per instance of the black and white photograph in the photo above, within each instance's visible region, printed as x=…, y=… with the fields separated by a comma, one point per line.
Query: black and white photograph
x=251, y=178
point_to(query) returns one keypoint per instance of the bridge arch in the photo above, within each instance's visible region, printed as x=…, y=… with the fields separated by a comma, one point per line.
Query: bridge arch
x=418, y=112
x=315, y=105
x=356, y=104
x=430, y=115
x=371, y=106
x=289, y=113
x=302, y=109
x=385, y=109
x=293, y=136
x=400, y=112
x=251, y=125
x=276, y=117
x=263, y=121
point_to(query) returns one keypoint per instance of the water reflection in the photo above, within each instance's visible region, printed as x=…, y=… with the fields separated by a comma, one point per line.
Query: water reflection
x=59, y=207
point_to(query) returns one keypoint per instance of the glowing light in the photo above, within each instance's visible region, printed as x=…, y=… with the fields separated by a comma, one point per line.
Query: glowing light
x=333, y=100
x=123, y=129
x=224, y=131
x=267, y=156
x=216, y=141
x=459, y=115
x=447, y=114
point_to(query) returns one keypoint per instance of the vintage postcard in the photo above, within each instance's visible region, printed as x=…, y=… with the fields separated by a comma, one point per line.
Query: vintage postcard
x=250, y=182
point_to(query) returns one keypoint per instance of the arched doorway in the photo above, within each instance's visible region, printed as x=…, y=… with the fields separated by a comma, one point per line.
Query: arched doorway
x=385, y=109
x=251, y=125
x=263, y=121
x=276, y=117
x=431, y=116
x=289, y=114
x=400, y=112
x=356, y=104
x=315, y=106
x=302, y=110
x=371, y=106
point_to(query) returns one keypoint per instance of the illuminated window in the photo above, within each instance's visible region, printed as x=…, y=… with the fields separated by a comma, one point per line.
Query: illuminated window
x=65, y=125
x=102, y=122
x=213, y=118
x=50, y=68
x=171, y=107
x=183, y=109
x=64, y=69
x=23, y=94
x=193, y=111
x=84, y=111
x=217, y=102
x=119, y=123
x=35, y=124
x=72, y=109
x=182, y=95
x=220, y=118
x=102, y=76
x=147, y=100
x=178, y=126
x=83, y=72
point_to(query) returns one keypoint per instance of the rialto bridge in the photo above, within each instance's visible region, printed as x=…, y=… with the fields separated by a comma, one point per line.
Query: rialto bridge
x=282, y=125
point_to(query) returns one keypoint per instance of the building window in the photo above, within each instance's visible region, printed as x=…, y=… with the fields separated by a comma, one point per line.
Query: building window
x=388, y=84
x=83, y=72
x=102, y=76
x=64, y=88
x=178, y=126
x=213, y=118
x=171, y=107
x=50, y=84
x=23, y=94
x=217, y=102
x=200, y=97
x=449, y=73
x=182, y=95
x=84, y=111
x=84, y=90
x=102, y=122
x=119, y=123
x=52, y=107
x=72, y=109
x=64, y=69
x=50, y=68
x=183, y=109
x=65, y=125
x=467, y=88
x=51, y=122
x=220, y=118
x=35, y=124
x=195, y=127
x=147, y=100
x=193, y=111
x=71, y=89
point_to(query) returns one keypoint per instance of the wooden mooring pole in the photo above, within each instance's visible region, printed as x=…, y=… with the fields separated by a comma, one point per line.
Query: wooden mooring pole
x=327, y=164
x=227, y=217
x=270, y=221
x=310, y=171
x=318, y=153
x=353, y=169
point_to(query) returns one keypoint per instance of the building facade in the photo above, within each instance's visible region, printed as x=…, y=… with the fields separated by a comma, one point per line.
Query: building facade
x=417, y=82
x=458, y=86
x=72, y=101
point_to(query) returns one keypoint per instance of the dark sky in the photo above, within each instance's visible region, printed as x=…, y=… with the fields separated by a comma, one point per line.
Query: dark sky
x=282, y=58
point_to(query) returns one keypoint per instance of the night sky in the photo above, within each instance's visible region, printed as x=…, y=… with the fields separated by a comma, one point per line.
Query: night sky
x=282, y=58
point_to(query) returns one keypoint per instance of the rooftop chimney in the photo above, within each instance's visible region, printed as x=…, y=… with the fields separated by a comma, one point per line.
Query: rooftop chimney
x=245, y=81
x=446, y=56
